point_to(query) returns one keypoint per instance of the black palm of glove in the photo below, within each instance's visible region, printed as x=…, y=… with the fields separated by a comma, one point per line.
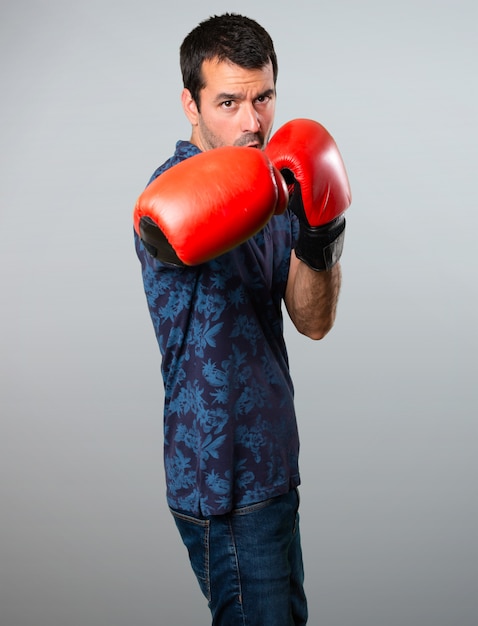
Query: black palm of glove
x=320, y=247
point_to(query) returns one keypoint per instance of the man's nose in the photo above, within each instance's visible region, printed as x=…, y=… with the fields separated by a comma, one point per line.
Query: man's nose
x=250, y=118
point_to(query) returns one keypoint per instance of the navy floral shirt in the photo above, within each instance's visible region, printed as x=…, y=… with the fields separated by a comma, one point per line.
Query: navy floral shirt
x=230, y=431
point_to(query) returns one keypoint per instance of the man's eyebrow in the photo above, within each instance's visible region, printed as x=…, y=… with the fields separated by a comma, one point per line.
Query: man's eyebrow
x=267, y=93
x=225, y=96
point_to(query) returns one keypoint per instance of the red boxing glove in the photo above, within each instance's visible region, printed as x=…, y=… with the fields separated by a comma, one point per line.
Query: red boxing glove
x=208, y=204
x=308, y=158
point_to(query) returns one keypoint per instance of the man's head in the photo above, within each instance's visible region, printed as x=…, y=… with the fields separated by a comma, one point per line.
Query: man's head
x=229, y=37
x=229, y=70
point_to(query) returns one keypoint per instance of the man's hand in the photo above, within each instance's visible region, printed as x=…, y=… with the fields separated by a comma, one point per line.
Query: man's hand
x=308, y=158
x=208, y=204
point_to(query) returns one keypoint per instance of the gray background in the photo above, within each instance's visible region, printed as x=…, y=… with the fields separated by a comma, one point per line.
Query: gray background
x=387, y=402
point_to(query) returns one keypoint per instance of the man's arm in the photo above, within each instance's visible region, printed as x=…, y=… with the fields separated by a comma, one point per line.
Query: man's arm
x=308, y=158
x=311, y=297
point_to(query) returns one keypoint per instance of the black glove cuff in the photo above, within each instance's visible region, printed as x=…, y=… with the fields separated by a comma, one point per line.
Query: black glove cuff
x=320, y=247
x=156, y=243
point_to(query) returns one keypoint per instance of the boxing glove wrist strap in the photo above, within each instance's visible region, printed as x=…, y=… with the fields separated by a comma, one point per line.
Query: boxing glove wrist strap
x=320, y=247
x=156, y=243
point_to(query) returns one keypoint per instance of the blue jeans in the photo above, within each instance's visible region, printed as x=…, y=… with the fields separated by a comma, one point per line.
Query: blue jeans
x=249, y=563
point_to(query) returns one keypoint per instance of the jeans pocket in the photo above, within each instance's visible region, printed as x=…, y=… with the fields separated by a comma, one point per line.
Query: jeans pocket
x=195, y=535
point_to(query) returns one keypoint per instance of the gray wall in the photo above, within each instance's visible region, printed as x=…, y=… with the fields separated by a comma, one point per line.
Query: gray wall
x=387, y=402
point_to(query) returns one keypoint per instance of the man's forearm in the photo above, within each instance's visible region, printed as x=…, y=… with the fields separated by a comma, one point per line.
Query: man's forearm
x=312, y=298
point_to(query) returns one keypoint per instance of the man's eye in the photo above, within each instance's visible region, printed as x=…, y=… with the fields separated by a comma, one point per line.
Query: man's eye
x=227, y=104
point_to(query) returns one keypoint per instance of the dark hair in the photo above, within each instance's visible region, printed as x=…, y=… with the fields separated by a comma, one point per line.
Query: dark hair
x=228, y=37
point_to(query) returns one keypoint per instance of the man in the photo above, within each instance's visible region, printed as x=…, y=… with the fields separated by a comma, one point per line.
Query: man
x=231, y=226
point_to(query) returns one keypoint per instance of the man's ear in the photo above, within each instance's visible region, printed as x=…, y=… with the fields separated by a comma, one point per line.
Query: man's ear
x=189, y=106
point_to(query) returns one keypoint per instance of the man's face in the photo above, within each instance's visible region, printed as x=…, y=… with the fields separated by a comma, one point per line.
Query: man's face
x=237, y=106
